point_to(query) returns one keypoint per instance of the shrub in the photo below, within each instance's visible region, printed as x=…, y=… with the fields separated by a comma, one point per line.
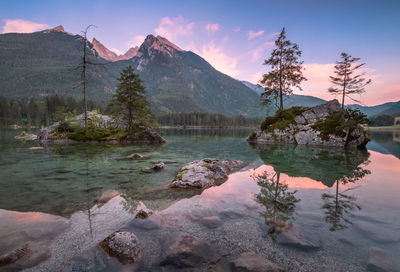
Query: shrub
x=281, y=119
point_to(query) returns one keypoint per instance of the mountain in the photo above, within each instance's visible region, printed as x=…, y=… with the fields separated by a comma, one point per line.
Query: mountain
x=255, y=87
x=107, y=54
x=390, y=108
x=47, y=62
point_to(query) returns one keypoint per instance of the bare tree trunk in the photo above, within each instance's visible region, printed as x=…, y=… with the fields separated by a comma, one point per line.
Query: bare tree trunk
x=84, y=62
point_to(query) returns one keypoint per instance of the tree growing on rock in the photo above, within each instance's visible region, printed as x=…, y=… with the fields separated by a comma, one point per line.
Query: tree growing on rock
x=129, y=103
x=286, y=71
x=347, y=80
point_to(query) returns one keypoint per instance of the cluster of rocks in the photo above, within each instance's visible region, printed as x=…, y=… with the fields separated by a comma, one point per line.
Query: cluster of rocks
x=301, y=131
x=204, y=173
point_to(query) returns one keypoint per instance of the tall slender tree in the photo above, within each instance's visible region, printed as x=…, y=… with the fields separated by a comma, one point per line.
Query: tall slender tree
x=286, y=71
x=130, y=103
x=347, y=80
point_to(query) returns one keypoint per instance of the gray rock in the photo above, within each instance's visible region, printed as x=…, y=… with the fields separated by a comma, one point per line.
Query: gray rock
x=310, y=116
x=158, y=166
x=188, y=251
x=300, y=120
x=381, y=261
x=123, y=245
x=107, y=196
x=135, y=156
x=298, y=238
x=29, y=137
x=142, y=211
x=251, y=262
x=204, y=173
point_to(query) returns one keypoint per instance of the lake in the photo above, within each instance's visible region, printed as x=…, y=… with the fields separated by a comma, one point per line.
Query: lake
x=342, y=202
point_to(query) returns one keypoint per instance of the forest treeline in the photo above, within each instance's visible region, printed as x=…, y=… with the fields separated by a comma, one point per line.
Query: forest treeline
x=51, y=109
x=206, y=119
x=40, y=112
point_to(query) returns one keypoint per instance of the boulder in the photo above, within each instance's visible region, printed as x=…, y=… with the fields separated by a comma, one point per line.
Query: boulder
x=251, y=262
x=301, y=130
x=188, y=251
x=204, y=173
x=142, y=211
x=381, y=261
x=211, y=222
x=155, y=167
x=123, y=245
x=107, y=196
x=296, y=237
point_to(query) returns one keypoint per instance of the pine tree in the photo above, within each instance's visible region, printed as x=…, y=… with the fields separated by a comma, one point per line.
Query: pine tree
x=286, y=71
x=130, y=103
x=346, y=80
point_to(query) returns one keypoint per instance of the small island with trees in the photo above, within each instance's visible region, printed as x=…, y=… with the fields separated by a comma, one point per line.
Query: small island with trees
x=130, y=121
x=330, y=124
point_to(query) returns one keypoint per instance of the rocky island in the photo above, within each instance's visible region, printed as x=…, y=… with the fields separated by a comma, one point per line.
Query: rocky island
x=325, y=125
x=101, y=128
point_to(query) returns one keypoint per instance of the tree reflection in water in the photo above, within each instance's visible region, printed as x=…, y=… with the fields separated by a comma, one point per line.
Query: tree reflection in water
x=339, y=207
x=278, y=201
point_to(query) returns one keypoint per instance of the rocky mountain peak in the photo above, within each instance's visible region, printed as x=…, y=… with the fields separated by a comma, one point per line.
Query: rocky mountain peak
x=158, y=43
x=103, y=51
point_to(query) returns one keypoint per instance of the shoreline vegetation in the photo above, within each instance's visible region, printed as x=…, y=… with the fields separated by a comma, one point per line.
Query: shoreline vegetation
x=383, y=128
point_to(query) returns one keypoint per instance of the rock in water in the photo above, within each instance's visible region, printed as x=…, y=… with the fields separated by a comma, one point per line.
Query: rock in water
x=142, y=211
x=296, y=237
x=204, y=173
x=155, y=167
x=135, y=156
x=307, y=126
x=251, y=262
x=28, y=255
x=107, y=196
x=382, y=261
x=123, y=245
x=29, y=137
x=189, y=251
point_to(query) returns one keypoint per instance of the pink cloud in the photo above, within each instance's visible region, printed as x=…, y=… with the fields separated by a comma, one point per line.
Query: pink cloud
x=212, y=27
x=22, y=26
x=252, y=34
x=236, y=29
x=172, y=28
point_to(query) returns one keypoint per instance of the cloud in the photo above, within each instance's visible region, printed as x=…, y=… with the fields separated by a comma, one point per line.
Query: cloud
x=136, y=41
x=117, y=51
x=22, y=26
x=172, y=28
x=212, y=27
x=236, y=29
x=256, y=77
x=217, y=58
x=252, y=34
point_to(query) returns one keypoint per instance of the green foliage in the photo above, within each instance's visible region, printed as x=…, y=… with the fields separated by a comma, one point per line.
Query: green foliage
x=285, y=71
x=23, y=133
x=338, y=122
x=207, y=165
x=130, y=103
x=252, y=135
x=382, y=120
x=180, y=174
x=357, y=115
x=281, y=119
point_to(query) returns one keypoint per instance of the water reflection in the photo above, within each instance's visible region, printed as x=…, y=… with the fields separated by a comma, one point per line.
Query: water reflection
x=323, y=164
x=279, y=203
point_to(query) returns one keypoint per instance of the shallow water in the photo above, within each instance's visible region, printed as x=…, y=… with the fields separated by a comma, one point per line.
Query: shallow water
x=347, y=199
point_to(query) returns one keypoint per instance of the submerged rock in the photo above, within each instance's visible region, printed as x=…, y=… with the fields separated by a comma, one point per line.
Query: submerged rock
x=155, y=167
x=29, y=137
x=135, y=156
x=142, y=211
x=123, y=245
x=304, y=128
x=25, y=256
x=189, y=251
x=296, y=237
x=204, y=173
x=382, y=261
x=251, y=262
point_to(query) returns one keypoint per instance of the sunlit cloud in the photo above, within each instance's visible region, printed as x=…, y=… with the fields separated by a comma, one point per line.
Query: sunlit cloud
x=256, y=77
x=252, y=34
x=216, y=56
x=212, y=27
x=22, y=26
x=136, y=41
x=172, y=28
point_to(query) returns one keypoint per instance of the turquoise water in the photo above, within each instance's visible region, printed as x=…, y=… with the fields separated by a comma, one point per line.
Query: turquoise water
x=347, y=199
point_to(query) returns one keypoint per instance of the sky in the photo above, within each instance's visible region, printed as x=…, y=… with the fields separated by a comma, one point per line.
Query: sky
x=237, y=36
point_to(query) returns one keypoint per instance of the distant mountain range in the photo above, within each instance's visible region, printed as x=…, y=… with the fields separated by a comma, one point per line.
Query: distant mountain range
x=47, y=63
x=390, y=108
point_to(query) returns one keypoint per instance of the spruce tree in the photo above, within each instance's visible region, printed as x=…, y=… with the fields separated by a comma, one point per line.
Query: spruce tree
x=130, y=103
x=346, y=80
x=286, y=71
